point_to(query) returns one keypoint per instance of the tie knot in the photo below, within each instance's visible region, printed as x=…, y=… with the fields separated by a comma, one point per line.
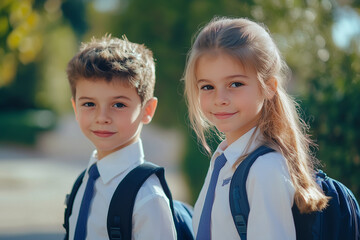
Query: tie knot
x=94, y=172
x=220, y=162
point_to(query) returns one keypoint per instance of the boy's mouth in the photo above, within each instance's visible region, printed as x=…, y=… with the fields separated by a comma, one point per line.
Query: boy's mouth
x=103, y=133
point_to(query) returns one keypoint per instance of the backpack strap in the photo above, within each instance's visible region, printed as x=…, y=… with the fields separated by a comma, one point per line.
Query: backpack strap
x=119, y=220
x=239, y=203
x=69, y=201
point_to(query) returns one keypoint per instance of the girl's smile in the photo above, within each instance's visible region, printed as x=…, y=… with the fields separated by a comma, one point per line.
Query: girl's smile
x=224, y=115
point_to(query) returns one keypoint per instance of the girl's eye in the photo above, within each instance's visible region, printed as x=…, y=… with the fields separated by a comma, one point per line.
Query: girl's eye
x=119, y=105
x=236, y=84
x=206, y=87
x=89, y=104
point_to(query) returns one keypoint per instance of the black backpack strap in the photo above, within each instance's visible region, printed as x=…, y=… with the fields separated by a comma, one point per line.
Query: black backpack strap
x=69, y=201
x=239, y=203
x=119, y=220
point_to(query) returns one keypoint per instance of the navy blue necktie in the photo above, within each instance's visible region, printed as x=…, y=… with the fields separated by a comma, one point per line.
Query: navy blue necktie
x=205, y=219
x=81, y=225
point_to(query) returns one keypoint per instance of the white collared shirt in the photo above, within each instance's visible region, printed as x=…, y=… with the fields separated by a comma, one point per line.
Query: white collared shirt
x=269, y=189
x=152, y=218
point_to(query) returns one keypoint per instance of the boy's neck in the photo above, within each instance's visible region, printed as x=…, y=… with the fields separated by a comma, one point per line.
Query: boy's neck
x=103, y=154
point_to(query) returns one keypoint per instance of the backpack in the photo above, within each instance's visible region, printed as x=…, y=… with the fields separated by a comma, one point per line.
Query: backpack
x=340, y=220
x=119, y=220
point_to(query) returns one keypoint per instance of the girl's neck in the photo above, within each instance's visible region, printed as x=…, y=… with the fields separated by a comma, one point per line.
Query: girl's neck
x=252, y=135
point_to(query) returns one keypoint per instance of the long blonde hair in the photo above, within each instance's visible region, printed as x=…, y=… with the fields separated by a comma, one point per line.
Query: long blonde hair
x=280, y=124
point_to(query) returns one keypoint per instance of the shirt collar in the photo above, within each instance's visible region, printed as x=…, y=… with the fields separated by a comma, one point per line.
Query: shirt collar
x=240, y=147
x=119, y=161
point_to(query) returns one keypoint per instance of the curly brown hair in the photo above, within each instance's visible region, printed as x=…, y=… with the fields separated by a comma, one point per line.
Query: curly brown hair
x=113, y=59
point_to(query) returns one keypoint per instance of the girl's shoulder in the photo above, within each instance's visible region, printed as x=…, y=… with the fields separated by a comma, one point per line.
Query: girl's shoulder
x=269, y=175
x=269, y=167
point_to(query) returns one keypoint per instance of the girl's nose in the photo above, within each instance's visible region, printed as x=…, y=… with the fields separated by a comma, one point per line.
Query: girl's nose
x=222, y=97
x=103, y=117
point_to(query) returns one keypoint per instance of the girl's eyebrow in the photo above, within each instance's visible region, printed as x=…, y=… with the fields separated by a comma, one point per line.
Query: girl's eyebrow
x=227, y=77
x=201, y=81
x=236, y=76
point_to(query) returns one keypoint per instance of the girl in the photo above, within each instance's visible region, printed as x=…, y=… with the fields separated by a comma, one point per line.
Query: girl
x=234, y=81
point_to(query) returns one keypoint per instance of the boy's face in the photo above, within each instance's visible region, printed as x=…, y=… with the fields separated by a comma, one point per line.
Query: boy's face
x=110, y=114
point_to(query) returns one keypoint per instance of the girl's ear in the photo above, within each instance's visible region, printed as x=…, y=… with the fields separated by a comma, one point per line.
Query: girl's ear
x=272, y=83
x=149, y=110
x=74, y=106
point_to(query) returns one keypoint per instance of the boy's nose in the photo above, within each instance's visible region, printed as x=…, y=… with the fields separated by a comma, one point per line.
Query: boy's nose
x=103, y=117
x=222, y=97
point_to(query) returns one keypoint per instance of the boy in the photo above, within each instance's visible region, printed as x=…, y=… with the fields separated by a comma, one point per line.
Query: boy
x=112, y=82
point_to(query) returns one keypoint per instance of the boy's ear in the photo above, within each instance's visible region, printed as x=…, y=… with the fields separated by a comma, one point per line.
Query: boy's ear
x=74, y=106
x=149, y=110
x=272, y=84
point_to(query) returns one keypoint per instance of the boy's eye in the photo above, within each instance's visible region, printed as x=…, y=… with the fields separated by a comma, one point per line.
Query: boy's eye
x=236, y=84
x=89, y=104
x=119, y=105
x=206, y=87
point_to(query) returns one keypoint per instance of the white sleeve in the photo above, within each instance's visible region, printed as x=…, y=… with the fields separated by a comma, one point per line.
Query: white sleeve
x=270, y=194
x=152, y=217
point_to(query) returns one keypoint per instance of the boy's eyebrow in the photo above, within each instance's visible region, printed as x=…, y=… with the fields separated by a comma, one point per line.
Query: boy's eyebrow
x=116, y=97
x=85, y=98
x=124, y=97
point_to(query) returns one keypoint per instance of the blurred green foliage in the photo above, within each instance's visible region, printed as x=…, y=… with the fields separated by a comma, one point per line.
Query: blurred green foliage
x=38, y=37
x=23, y=126
x=332, y=101
x=29, y=63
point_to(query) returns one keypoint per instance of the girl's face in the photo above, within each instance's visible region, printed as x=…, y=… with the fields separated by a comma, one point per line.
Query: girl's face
x=230, y=95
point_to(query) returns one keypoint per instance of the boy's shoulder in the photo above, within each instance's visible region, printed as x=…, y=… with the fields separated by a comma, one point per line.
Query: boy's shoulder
x=150, y=191
x=151, y=186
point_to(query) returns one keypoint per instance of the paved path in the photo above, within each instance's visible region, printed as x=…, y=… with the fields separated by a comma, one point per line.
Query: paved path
x=34, y=182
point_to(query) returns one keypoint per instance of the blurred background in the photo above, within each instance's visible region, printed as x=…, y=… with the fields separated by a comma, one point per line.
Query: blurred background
x=42, y=150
